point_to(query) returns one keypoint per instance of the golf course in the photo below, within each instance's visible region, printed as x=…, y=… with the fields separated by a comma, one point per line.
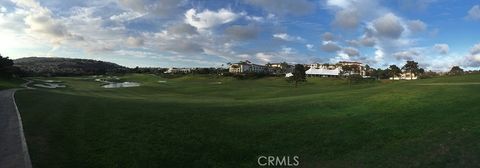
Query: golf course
x=211, y=121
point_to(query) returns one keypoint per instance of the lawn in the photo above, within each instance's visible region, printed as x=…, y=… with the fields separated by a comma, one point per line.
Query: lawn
x=8, y=83
x=202, y=121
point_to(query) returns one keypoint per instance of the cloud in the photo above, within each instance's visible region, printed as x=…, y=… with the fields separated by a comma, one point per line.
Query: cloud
x=135, y=41
x=475, y=49
x=473, y=60
x=208, y=19
x=310, y=47
x=350, y=51
x=160, y=8
x=126, y=16
x=284, y=7
x=348, y=18
x=441, y=48
x=388, y=26
x=349, y=14
x=406, y=55
x=368, y=41
x=327, y=36
x=330, y=47
x=286, y=37
x=242, y=32
x=474, y=13
x=416, y=26
x=182, y=29
x=40, y=21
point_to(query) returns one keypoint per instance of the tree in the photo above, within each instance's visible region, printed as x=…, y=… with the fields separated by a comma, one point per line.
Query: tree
x=298, y=75
x=349, y=69
x=411, y=67
x=456, y=70
x=393, y=71
x=6, y=66
x=368, y=70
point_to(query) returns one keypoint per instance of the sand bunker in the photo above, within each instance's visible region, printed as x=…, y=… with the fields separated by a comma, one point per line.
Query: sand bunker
x=121, y=85
x=50, y=85
x=162, y=81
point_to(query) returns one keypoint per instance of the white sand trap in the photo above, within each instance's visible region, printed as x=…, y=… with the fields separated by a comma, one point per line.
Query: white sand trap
x=52, y=81
x=450, y=84
x=121, y=85
x=50, y=85
x=162, y=81
x=216, y=83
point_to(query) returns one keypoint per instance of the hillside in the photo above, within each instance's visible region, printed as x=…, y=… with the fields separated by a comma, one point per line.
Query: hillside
x=43, y=66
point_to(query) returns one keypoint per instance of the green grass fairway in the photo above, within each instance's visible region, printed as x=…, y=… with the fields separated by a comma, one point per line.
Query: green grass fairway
x=6, y=83
x=201, y=121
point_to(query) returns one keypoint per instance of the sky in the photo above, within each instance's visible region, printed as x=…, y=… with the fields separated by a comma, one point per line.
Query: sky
x=210, y=33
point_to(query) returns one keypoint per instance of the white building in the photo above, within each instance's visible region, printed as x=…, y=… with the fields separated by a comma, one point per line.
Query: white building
x=405, y=76
x=334, y=70
x=323, y=70
x=359, y=67
x=178, y=70
x=247, y=67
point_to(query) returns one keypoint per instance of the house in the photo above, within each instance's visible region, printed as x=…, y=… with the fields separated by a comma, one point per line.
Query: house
x=405, y=76
x=178, y=70
x=323, y=70
x=247, y=67
x=335, y=70
x=279, y=68
x=359, y=68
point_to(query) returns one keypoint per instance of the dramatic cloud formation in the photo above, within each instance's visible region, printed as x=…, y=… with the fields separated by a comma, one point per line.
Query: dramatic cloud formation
x=206, y=33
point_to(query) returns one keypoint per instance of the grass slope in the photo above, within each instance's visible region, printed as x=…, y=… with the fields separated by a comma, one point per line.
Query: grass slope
x=8, y=83
x=196, y=122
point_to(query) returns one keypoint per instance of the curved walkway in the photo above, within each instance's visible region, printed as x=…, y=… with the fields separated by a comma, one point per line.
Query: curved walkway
x=13, y=147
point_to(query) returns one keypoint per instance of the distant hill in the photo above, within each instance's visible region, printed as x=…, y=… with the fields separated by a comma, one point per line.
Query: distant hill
x=46, y=66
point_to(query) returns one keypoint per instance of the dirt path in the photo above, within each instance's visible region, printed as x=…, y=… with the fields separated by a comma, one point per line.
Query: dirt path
x=13, y=147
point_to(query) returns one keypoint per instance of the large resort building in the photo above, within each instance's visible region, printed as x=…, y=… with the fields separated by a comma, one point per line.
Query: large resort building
x=270, y=68
x=246, y=67
x=320, y=70
x=335, y=70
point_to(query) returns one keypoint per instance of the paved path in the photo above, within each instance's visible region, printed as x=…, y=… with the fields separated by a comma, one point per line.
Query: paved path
x=13, y=148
